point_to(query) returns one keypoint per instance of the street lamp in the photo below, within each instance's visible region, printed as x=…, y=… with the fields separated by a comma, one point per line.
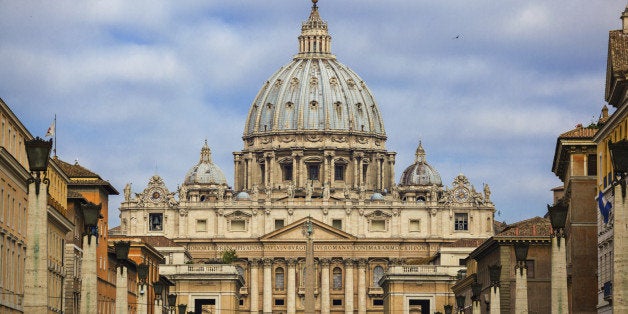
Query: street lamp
x=91, y=214
x=460, y=302
x=172, y=300
x=494, y=272
x=158, y=288
x=142, y=274
x=476, y=290
x=619, y=158
x=38, y=153
x=448, y=308
x=122, y=251
x=521, y=254
x=558, y=218
x=182, y=308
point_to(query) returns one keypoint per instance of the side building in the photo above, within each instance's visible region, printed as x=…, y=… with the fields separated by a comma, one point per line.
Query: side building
x=575, y=163
x=613, y=215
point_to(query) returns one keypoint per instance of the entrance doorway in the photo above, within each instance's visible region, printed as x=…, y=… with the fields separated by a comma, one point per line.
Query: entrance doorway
x=205, y=306
x=417, y=306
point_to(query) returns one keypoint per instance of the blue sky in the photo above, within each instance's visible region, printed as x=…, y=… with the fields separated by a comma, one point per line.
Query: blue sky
x=137, y=86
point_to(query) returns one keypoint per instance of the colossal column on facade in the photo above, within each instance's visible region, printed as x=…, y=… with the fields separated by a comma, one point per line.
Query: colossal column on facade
x=291, y=293
x=325, y=285
x=348, y=286
x=268, y=287
x=254, y=264
x=362, y=286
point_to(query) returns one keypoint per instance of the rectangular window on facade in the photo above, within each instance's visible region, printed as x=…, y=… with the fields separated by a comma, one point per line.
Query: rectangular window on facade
x=365, y=169
x=415, y=225
x=337, y=223
x=336, y=302
x=279, y=223
x=279, y=302
x=312, y=171
x=339, y=172
x=155, y=221
x=262, y=170
x=287, y=172
x=530, y=266
x=201, y=225
x=591, y=165
x=378, y=302
x=378, y=225
x=461, y=221
x=238, y=225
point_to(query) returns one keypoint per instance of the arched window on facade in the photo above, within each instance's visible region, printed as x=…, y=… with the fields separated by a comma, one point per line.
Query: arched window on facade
x=279, y=276
x=378, y=273
x=337, y=278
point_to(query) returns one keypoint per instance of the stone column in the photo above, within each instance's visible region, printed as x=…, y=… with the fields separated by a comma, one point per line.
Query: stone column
x=325, y=286
x=495, y=301
x=291, y=291
x=361, y=286
x=268, y=287
x=142, y=306
x=254, y=264
x=348, y=286
x=89, y=279
x=122, y=290
x=620, y=253
x=36, y=264
x=521, y=289
x=476, y=307
x=559, y=276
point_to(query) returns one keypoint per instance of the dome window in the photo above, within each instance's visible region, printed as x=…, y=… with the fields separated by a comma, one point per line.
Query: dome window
x=313, y=171
x=339, y=172
x=286, y=169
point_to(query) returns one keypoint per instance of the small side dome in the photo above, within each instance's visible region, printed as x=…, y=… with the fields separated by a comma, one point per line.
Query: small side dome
x=377, y=197
x=205, y=172
x=242, y=196
x=420, y=172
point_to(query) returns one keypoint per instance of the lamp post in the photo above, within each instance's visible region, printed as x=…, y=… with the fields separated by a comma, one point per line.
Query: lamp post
x=122, y=277
x=558, y=217
x=89, y=282
x=476, y=291
x=142, y=274
x=619, y=284
x=158, y=288
x=172, y=300
x=521, y=278
x=494, y=272
x=460, y=302
x=36, y=264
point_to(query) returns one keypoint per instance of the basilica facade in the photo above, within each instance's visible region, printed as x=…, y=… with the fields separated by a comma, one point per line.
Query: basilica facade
x=314, y=153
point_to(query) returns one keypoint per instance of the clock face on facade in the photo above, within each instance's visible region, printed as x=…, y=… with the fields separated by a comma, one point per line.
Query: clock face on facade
x=155, y=195
x=461, y=195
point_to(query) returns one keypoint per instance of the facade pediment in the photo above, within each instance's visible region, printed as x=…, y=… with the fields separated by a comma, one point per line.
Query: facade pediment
x=294, y=231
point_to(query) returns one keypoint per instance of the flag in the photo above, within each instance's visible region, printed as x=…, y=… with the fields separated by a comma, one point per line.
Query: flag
x=51, y=129
x=605, y=209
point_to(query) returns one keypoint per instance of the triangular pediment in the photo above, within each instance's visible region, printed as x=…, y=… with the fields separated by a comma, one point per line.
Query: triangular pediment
x=295, y=231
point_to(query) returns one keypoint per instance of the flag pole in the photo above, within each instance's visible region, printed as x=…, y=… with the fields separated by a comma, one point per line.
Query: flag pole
x=55, y=148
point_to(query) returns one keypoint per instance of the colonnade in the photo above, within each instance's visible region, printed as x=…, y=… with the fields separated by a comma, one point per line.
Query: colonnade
x=323, y=289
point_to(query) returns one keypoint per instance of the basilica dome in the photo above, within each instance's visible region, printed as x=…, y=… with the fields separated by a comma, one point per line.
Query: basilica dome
x=314, y=93
x=420, y=172
x=205, y=172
